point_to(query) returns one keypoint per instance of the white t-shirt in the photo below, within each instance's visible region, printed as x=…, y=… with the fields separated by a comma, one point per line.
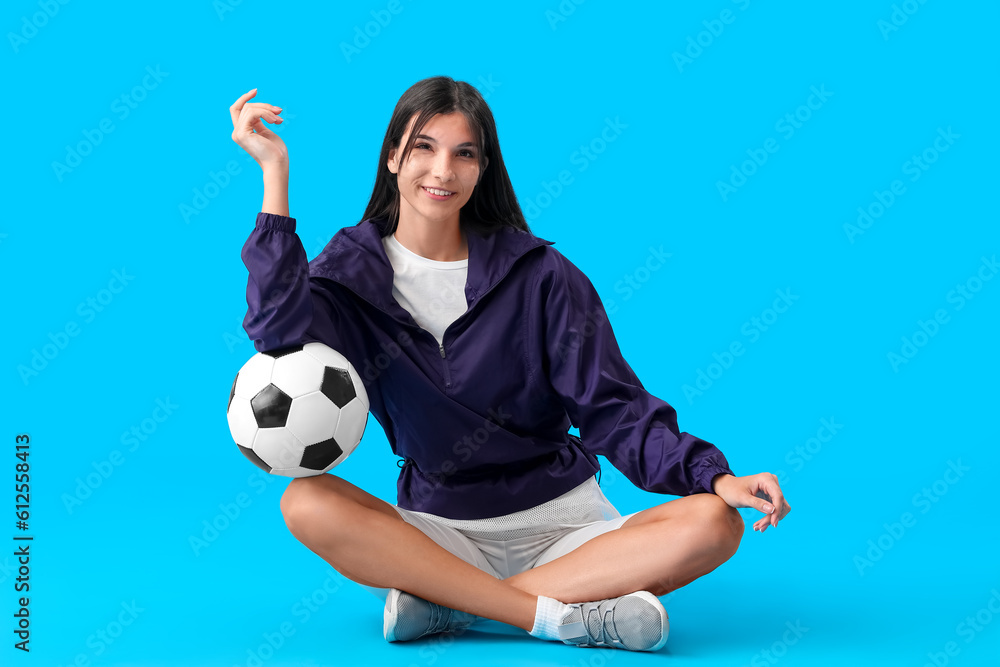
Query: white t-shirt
x=432, y=292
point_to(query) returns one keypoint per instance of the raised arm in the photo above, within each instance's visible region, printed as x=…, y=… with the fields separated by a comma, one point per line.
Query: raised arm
x=284, y=307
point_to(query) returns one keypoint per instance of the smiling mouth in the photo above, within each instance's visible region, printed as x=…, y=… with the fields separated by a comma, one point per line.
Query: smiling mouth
x=437, y=193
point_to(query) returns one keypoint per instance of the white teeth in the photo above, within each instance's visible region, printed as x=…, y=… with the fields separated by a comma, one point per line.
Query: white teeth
x=440, y=193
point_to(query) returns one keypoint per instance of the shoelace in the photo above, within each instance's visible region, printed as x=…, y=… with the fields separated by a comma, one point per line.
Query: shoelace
x=440, y=620
x=606, y=628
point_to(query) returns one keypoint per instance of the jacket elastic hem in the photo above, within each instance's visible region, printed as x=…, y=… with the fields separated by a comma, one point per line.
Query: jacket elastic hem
x=275, y=222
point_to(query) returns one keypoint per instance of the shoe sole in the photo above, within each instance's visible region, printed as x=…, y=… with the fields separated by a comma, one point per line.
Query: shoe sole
x=389, y=615
x=664, y=619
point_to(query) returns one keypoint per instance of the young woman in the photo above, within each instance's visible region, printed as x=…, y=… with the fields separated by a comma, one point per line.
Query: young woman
x=480, y=344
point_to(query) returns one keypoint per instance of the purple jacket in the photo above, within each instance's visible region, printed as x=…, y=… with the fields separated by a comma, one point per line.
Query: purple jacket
x=481, y=421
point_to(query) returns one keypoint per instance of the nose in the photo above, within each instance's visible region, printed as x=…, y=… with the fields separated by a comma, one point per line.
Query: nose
x=442, y=169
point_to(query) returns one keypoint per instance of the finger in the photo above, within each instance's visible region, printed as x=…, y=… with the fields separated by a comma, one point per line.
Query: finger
x=761, y=504
x=237, y=106
x=240, y=104
x=773, y=489
x=761, y=524
x=251, y=119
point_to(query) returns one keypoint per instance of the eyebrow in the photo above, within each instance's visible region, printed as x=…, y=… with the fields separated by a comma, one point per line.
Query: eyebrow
x=462, y=145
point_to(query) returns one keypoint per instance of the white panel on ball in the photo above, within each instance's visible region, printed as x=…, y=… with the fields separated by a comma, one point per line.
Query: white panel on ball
x=297, y=374
x=296, y=472
x=353, y=419
x=326, y=355
x=242, y=424
x=307, y=418
x=254, y=376
x=278, y=447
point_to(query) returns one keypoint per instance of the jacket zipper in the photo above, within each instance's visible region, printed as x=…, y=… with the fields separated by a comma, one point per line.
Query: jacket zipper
x=444, y=358
x=447, y=372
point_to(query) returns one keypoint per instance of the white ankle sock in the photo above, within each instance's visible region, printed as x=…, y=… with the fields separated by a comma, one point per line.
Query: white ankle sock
x=548, y=613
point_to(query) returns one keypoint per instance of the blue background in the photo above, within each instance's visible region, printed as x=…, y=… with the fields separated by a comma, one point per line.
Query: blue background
x=553, y=74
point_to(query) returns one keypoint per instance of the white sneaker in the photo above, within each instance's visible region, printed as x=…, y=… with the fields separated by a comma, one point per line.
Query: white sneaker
x=635, y=622
x=408, y=617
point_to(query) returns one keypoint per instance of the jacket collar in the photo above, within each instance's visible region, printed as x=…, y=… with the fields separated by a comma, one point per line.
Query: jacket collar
x=355, y=258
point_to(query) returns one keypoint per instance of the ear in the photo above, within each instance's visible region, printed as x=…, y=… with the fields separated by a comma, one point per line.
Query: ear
x=391, y=163
x=486, y=162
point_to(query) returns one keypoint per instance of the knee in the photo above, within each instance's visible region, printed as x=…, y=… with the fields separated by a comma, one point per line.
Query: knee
x=307, y=500
x=295, y=502
x=723, y=523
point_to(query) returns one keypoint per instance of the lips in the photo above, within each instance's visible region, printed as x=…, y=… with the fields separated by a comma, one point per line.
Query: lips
x=440, y=198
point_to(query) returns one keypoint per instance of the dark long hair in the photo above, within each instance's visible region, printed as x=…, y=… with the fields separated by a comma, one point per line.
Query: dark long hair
x=493, y=204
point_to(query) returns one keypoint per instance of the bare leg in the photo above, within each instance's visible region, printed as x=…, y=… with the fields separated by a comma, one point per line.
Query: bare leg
x=658, y=550
x=367, y=541
x=362, y=537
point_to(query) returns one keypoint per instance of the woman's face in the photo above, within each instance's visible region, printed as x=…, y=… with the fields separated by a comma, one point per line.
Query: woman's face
x=444, y=157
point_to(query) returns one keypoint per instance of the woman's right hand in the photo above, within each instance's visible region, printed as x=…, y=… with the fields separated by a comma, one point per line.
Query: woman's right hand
x=263, y=145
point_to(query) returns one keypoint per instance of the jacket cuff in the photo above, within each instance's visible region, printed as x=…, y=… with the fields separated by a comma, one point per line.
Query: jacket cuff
x=709, y=470
x=276, y=222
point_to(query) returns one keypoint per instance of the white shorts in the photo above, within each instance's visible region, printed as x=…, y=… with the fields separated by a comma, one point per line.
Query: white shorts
x=507, y=545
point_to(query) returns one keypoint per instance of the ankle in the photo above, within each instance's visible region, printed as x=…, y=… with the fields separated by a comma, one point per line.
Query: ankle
x=549, y=612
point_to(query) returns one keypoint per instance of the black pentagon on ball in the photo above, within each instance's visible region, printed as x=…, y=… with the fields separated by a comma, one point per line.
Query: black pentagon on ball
x=282, y=351
x=321, y=455
x=270, y=407
x=232, y=392
x=338, y=386
x=256, y=460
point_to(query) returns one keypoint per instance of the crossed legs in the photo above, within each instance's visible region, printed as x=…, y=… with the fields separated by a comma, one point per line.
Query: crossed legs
x=658, y=550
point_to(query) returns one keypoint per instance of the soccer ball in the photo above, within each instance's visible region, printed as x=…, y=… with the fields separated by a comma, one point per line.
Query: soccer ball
x=298, y=411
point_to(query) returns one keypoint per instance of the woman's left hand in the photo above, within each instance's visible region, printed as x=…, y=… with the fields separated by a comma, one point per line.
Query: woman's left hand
x=760, y=491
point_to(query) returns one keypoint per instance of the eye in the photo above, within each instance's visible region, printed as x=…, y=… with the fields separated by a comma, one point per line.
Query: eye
x=465, y=151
